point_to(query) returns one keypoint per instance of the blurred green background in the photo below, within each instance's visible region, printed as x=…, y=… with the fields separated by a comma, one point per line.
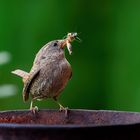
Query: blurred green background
x=106, y=65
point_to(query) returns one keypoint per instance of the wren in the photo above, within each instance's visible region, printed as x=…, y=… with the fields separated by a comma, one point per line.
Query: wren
x=50, y=72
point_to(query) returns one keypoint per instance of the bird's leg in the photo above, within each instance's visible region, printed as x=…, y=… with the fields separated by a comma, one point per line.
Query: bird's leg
x=62, y=108
x=33, y=109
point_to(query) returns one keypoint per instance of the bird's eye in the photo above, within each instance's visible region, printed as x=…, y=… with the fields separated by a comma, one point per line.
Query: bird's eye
x=55, y=44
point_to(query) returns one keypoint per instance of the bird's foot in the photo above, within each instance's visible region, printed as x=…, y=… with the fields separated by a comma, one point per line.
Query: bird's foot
x=64, y=109
x=34, y=110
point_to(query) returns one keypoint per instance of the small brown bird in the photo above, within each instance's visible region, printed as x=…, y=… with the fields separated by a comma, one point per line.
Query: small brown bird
x=50, y=72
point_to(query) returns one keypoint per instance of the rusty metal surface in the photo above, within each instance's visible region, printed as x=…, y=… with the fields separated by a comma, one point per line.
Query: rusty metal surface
x=79, y=124
x=75, y=117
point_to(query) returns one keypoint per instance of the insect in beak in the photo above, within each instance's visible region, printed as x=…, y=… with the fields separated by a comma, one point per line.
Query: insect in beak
x=68, y=39
x=69, y=47
x=74, y=36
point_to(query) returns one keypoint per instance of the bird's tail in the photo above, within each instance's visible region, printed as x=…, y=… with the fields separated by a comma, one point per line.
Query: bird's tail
x=21, y=73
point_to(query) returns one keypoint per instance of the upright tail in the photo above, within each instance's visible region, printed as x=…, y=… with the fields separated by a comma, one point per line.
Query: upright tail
x=21, y=73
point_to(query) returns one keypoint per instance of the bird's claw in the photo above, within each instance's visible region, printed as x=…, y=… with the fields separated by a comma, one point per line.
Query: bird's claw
x=64, y=109
x=34, y=110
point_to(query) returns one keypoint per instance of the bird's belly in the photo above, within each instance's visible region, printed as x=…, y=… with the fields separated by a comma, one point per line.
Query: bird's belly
x=51, y=82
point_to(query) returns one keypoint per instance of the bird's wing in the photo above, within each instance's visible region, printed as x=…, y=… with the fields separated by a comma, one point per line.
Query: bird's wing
x=26, y=88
